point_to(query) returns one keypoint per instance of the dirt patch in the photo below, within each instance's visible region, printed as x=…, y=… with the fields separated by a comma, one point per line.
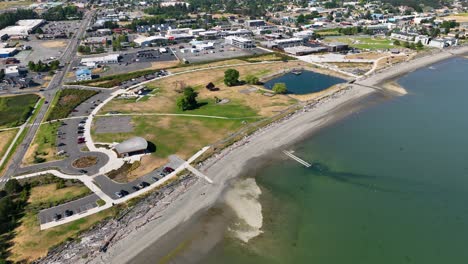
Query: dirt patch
x=85, y=162
x=367, y=56
x=163, y=64
x=5, y=138
x=54, y=44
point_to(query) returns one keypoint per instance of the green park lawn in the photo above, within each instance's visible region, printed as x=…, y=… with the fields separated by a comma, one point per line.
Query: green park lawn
x=364, y=42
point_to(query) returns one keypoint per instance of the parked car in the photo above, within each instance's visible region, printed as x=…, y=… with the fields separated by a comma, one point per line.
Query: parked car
x=57, y=217
x=68, y=212
x=119, y=194
x=135, y=188
x=168, y=170
x=143, y=185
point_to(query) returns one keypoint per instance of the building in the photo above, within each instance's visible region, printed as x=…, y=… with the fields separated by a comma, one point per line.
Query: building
x=12, y=71
x=7, y=52
x=177, y=31
x=254, y=23
x=305, y=34
x=443, y=42
x=304, y=50
x=22, y=28
x=147, y=41
x=286, y=43
x=337, y=47
x=83, y=74
x=108, y=59
x=403, y=36
x=136, y=145
x=424, y=39
x=240, y=42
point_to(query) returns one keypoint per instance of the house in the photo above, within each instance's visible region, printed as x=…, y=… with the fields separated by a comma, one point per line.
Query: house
x=83, y=74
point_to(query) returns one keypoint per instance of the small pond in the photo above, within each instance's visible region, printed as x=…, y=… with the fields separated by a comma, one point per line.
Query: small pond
x=305, y=83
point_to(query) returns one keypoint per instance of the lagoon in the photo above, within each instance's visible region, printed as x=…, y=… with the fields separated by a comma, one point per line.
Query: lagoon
x=305, y=83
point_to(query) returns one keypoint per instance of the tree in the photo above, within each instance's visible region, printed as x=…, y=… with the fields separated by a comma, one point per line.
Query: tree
x=280, y=88
x=396, y=42
x=13, y=186
x=231, y=77
x=406, y=45
x=188, y=100
x=2, y=74
x=419, y=45
x=251, y=79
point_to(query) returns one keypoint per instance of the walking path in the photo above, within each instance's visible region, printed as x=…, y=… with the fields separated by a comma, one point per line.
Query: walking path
x=88, y=181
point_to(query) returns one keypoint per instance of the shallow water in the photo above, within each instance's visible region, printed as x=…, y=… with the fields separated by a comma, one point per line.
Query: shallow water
x=307, y=82
x=388, y=184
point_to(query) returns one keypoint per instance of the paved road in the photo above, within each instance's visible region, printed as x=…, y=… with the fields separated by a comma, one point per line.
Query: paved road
x=48, y=94
x=76, y=206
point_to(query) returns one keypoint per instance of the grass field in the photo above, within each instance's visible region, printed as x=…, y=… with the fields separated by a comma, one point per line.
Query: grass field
x=66, y=101
x=365, y=43
x=14, y=110
x=5, y=139
x=43, y=145
x=11, y=4
x=184, y=135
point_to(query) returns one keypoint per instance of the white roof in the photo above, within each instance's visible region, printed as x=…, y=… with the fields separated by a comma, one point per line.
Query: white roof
x=22, y=27
x=240, y=39
x=7, y=50
x=288, y=40
x=132, y=145
x=142, y=39
x=110, y=57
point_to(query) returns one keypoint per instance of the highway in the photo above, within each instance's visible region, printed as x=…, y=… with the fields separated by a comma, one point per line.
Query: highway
x=48, y=94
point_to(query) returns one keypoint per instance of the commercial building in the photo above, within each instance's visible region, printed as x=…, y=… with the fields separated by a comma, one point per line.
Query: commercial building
x=337, y=47
x=177, y=31
x=286, y=43
x=22, y=27
x=304, y=50
x=12, y=71
x=305, y=34
x=83, y=74
x=147, y=41
x=136, y=145
x=254, y=23
x=443, y=42
x=7, y=52
x=240, y=42
x=108, y=59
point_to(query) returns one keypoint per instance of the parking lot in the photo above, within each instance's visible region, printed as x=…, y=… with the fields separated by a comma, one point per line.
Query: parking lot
x=44, y=50
x=110, y=187
x=147, y=55
x=56, y=28
x=76, y=207
x=219, y=51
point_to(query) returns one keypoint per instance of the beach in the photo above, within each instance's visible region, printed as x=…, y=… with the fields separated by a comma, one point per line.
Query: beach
x=247, y=153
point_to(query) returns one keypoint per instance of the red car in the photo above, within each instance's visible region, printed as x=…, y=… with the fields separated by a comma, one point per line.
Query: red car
x=168, y=170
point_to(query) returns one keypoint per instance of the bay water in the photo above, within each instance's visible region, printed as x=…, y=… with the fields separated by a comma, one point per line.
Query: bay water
x=388, y=184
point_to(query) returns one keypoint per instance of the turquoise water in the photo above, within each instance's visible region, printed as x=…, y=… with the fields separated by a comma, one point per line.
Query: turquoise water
x=307, y=82
x=389, y=184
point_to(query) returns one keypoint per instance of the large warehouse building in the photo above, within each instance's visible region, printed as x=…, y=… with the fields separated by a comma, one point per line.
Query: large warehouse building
x=22, y=27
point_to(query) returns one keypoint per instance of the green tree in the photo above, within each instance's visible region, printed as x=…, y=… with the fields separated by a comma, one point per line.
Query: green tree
x=188, y=101
x=231, y=77
x=280, y=88
x=13, y=186
x=251, y=79
x=2, y=74
x=419, y=45
x=396, y=42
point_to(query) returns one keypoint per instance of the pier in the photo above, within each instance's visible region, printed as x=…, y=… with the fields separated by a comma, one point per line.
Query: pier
x=301, y=161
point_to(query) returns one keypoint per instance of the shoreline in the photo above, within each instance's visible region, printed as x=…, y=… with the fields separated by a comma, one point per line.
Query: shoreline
x=246, y=154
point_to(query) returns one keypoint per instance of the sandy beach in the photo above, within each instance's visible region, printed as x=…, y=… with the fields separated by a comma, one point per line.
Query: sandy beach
x=233, y=161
